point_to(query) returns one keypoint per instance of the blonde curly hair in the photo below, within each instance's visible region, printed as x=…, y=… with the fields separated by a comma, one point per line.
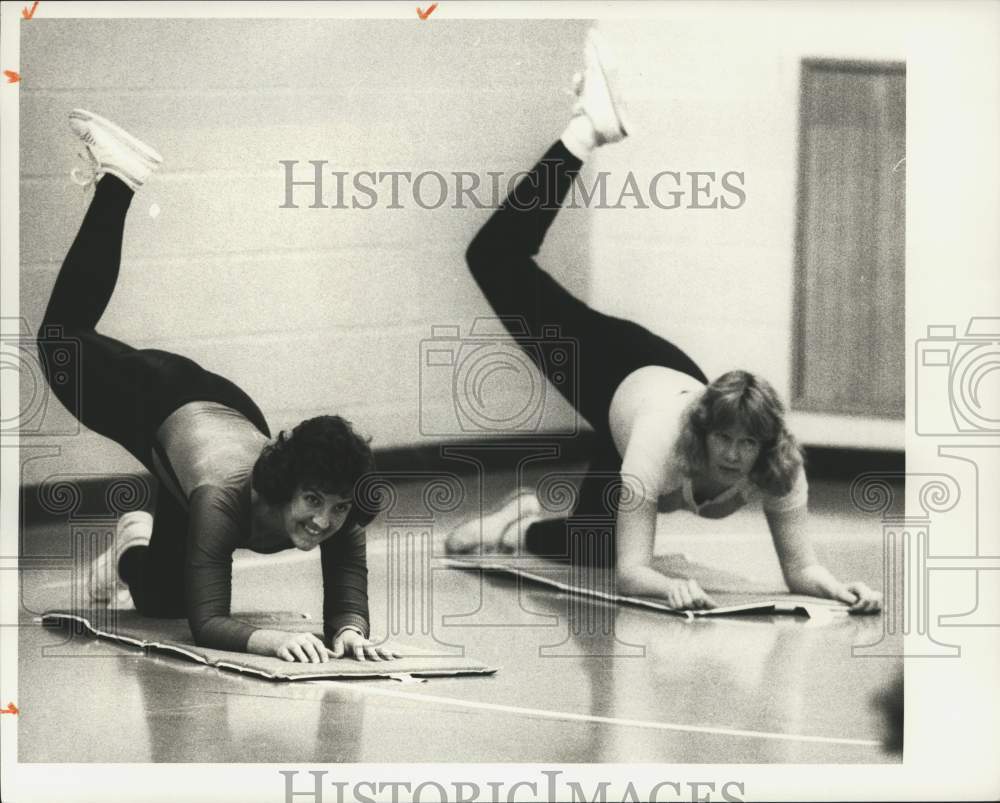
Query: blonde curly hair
x=743, y=399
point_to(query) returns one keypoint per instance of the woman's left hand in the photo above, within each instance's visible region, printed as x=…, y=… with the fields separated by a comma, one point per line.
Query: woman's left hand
x=352, y=643
x=860, y=597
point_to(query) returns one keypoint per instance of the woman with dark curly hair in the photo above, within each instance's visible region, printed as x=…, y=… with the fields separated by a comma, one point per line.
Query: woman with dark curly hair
x=223, y=484
x=668, y=439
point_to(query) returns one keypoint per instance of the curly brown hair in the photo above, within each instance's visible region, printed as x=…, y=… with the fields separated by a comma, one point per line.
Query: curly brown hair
x=743, y=399
x=322, y=452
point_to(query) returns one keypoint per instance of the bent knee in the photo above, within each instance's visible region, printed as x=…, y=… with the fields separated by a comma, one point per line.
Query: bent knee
x=477, y=255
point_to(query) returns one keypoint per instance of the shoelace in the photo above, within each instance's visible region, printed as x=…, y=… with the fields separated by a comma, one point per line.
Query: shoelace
x=93, y=167
x=576, y=92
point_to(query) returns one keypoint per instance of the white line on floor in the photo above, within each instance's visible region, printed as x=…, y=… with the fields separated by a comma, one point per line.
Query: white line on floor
x=565, y=715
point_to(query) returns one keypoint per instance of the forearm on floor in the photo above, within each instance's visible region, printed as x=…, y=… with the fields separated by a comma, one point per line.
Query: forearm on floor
x=813, y=580
x=266, y=642
x=800, y=565
x=635, y=540
x=643, y=580
x=220, y=632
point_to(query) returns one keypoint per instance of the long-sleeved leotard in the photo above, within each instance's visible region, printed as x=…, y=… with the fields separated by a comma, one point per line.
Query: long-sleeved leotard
x=195, y=431
x=205, y=454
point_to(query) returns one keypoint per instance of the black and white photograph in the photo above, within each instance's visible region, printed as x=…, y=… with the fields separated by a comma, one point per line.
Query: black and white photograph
x=472, y=401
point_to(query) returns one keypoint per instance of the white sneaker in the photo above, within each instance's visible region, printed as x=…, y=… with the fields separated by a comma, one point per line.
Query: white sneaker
x=500, y=531
x=598, y=92
x=112, y=150
x=133, y=529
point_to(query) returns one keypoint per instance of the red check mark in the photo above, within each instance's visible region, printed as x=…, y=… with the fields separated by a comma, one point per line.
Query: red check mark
x=425, y=14
x=29, y=14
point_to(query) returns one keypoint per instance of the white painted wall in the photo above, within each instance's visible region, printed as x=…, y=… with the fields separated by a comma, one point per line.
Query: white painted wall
x=721, y=94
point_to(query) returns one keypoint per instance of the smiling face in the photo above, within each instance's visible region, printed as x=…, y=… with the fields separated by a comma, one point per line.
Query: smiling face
x=312, y=516
x=731, y=454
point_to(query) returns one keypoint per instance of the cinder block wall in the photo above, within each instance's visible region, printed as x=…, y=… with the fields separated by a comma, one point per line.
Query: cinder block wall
x=320, y=310
x=309, y=310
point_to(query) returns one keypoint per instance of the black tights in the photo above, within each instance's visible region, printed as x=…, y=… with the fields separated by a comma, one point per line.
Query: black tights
x=125, y=393
x=608, y=349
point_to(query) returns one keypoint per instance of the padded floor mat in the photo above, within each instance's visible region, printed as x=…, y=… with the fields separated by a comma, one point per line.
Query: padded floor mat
x=173, y=637
x=735, y=596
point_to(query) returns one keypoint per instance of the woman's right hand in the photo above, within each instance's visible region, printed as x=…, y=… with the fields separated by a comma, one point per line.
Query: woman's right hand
x=303, y=647
x=682, y=593
x=687, y=594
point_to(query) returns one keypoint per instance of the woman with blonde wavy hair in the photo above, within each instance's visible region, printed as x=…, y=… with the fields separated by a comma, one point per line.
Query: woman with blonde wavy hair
x=741, y=399
x=667, y=439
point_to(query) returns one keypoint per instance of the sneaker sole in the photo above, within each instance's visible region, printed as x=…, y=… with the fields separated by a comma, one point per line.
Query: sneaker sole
x=119, y=133
x=124, y=542
x=115, y=551
x=602, y=55
x=96, y=591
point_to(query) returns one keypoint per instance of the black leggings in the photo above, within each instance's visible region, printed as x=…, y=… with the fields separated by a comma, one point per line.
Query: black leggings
x=608, y=349
x=125, y=393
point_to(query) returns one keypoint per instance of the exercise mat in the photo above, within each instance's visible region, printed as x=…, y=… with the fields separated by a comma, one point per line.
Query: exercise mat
x=598, y=586
x=173, y=637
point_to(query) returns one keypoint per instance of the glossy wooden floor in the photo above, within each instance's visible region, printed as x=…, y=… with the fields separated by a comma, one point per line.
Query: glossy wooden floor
x=577, y=682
